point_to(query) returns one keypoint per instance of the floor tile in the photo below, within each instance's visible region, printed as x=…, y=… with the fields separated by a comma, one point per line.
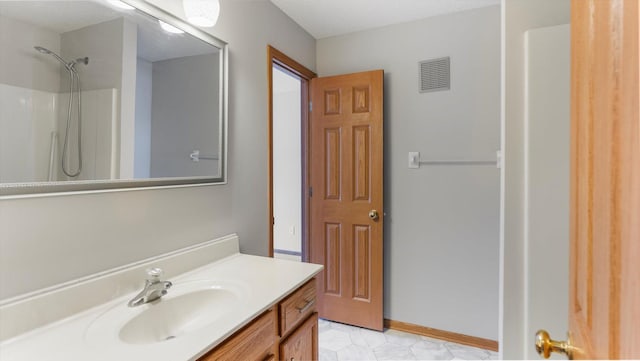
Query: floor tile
x=390, y=351
x=334, y=340
x=466, y=352
x=327, y=355
x=372, y=339
x=340, y=342
x=427, y=350
x=356, y=353
x=400, y=338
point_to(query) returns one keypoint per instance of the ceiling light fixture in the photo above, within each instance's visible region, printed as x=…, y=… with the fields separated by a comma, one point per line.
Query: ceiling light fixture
x=202, y=12
x=121, y=5
x=169, y=28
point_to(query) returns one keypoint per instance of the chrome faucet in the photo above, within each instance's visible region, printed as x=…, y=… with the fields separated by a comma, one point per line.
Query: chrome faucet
x=153, y=289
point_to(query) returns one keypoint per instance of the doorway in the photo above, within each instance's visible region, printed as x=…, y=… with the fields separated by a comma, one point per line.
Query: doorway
x=287, y=165
x=288, y=83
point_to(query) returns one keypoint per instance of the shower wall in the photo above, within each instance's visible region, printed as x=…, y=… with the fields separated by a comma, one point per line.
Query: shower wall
x=99, y=145
x=22, y=66
x=111, y=47
x=34, y=101
x=27, y=118
x=29, y=84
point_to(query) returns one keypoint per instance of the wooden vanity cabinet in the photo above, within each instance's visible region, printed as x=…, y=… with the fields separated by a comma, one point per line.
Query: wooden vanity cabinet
x=288, y=331
x=302, y=344
x=256, y=341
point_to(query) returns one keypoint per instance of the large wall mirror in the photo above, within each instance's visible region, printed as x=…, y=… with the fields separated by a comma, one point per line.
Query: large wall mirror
x=94, y=96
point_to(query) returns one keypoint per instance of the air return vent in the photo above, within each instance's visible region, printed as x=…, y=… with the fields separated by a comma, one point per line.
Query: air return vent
x=435, y=75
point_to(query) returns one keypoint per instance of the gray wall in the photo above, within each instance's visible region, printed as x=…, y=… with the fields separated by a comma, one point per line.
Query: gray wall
x=519, y=16
x=52, y=239
x=105, y=56
x=184, y=116
x=20, y=64
x=144, y=84
x=442, y=229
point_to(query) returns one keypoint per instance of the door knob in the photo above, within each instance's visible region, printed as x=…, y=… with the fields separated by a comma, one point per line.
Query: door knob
x=373, y=215
x=545, y=345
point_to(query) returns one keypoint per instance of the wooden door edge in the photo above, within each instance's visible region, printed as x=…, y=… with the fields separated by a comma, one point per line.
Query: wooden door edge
x=278, y=58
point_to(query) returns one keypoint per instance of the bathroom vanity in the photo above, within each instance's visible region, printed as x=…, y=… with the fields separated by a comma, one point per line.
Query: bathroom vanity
x=287, y=331
x=223, y=305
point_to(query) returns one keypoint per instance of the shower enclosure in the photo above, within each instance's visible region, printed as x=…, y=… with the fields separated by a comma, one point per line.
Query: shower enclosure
x=59, y=113
x=75, y=91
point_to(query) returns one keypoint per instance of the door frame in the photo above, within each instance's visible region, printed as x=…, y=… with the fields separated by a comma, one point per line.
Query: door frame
x=277, y=58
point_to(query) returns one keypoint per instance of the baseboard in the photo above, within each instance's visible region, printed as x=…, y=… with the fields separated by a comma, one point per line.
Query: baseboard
x=479, y=342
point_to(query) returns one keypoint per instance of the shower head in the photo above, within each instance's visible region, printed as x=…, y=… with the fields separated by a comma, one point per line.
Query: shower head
x=67, y=64
x=43, y=50
x=47, y=51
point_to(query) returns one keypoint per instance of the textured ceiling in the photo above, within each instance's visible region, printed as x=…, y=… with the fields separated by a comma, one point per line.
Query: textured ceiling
x=325, y=18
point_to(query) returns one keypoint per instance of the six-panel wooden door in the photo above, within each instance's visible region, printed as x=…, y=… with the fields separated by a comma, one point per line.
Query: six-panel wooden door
x=346, y=230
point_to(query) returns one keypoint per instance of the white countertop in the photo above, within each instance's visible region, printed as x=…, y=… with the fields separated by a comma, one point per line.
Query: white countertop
x=268, y=281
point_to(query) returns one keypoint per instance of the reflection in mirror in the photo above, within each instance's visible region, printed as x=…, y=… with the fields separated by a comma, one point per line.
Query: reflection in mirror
x=94, y=96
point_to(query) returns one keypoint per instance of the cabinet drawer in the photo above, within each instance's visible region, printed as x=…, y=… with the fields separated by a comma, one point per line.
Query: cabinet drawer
x=302, y=344
x=255, y=342
x=297, y=307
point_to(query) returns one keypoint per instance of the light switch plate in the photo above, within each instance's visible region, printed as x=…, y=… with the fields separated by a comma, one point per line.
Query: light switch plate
x=414, y=160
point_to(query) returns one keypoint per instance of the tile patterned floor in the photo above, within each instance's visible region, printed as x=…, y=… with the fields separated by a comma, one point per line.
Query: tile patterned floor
x=340, y=342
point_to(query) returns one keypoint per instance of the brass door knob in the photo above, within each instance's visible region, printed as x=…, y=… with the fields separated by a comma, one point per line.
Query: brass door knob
x=545, y=345
x=373, y=215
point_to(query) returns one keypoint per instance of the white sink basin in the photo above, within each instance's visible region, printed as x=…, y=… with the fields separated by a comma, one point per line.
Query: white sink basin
x=188, y=307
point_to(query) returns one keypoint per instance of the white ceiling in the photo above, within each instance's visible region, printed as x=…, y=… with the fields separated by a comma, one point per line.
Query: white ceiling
x=325, y=18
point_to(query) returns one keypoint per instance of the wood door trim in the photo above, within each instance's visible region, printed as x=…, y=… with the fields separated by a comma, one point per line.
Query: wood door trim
x=278, y=58
x=473, y=341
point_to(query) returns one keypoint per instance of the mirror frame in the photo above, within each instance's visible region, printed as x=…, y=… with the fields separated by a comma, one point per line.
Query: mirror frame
x=36, y=189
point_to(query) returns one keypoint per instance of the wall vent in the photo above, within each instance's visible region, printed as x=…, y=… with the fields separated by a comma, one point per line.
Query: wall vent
x=435, y=75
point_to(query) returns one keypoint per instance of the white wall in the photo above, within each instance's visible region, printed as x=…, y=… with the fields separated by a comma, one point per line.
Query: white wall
x=184, y=123
x=128, y=99
x=547, y=168
x=518, y=17
x=48, y=240
x=287, y=163
x=442, y=224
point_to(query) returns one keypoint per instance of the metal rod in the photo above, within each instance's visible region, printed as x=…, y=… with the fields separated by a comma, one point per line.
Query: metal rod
x=458, y=162
x=196, y=156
